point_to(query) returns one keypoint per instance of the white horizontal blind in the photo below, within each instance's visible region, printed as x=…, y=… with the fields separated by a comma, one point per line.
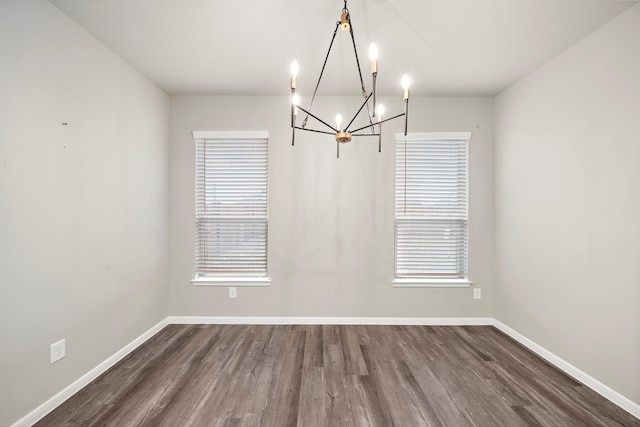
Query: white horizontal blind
x=431, y=206
x=231, y=207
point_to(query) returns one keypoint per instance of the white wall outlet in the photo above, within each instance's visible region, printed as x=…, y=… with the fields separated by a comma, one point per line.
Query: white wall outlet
x=232, y=293
x=57, y=351
x=477, y=293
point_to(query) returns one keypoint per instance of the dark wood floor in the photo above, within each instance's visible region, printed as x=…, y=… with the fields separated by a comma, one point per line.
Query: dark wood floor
x=250, y=375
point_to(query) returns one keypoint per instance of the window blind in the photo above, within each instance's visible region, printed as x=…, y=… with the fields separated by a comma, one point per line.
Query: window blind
x=431, y=201
x=231, y=206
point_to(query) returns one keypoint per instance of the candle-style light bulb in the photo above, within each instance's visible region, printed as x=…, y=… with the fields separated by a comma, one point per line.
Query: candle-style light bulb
x=380, y=112
x=294, y=74
x=373, y=55
x=338, y=122
x=405, y=85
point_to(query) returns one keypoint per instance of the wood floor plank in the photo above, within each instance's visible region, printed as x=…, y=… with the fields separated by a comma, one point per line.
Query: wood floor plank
x=312, y=406
x=416, y=399
x=328, y=375
x=373, y=390
x=477, y=403
x=363, y=410
x=175, y=400
x=222, y=369
x=283, y=404
x=333, y=355
x=436, y=392
x=399, y=405
x=226, y=369
x=353, y=360
x=314, y=347
x=333, y=359
x=337, y=404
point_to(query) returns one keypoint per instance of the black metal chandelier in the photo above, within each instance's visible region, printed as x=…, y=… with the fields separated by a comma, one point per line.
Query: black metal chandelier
x=374, y=112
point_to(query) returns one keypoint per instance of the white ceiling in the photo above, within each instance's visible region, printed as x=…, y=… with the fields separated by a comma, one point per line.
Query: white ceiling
x=448, y=47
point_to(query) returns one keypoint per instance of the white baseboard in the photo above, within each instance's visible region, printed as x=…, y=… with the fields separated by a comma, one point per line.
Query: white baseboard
x=232, y=320
x=608, y=393
x=48, y=406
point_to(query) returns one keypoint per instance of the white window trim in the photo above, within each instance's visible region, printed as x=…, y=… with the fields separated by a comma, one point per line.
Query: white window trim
x=427, y=136
x=403, y=282
x=418, y=282
x=230, y=134
x=232, y=280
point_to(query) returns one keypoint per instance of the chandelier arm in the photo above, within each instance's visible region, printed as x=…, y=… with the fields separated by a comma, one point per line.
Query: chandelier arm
x=377, y=123
x=304, y=122
x=360, y=109
x=314, y=130
x=355, y=51
x=318, y=119
x=365, y=134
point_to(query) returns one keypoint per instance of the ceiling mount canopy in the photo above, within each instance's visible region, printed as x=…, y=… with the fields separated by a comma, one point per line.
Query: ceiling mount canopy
x=374, y=111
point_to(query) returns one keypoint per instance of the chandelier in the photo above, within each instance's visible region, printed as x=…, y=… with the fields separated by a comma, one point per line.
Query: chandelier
x=374, y=111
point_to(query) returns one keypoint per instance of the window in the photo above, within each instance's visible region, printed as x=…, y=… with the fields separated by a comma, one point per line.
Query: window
x=231, y=206
x=431, y=201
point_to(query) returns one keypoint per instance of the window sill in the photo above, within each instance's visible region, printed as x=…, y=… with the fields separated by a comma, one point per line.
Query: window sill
x=431, y=283
x=231, y=281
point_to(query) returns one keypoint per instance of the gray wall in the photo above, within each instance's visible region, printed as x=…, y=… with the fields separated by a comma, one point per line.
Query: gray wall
x=83, y=207
x=331, y=221
x=567, y=205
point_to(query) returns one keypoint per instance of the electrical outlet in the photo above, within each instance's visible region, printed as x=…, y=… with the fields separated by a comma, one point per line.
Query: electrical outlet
x=232, y=293
x=477, y=293
x=57, y=351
